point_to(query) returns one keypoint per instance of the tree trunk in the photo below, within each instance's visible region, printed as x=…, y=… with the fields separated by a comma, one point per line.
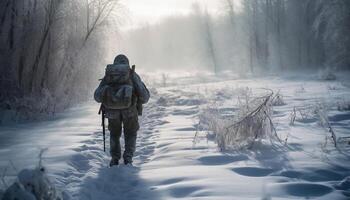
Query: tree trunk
x=267, y=31
x=251, y=63
x=210, y=42
x=36, y=63
x=233, y=23
x=45, y=77
x=280, y=7
x=257, y=42
x=11, y=37
x=3, y=16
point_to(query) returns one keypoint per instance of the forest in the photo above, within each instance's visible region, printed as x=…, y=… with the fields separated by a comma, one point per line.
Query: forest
x=52, y=49
x=174, y=99
x=255, y=36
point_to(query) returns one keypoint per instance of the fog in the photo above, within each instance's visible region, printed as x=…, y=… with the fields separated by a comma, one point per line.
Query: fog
x=153, y=11
x=258, y=37
x=54, y=51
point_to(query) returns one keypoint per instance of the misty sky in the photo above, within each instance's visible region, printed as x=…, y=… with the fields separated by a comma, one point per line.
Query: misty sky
x=150, y=11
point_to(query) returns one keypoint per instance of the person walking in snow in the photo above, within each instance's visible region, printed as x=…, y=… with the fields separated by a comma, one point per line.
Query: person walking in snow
x=122, y=93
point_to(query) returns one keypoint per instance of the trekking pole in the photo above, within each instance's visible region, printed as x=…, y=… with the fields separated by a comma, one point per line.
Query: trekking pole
x=102, y=112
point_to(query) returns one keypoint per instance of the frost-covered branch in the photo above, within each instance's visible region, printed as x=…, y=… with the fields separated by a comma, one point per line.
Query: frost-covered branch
x=252, y=121
x=320, y=110
x=34, y=184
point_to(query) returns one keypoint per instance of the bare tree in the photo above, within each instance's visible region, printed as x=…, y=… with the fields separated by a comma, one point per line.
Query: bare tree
x=209, y=40
x=231, y=11
x=51, y=12
x=42, y=44
x=97, y=13
x=267, y=32
x=234, y=25
x=205, y=25
x=279, y=17
x=4, y=7
x=103, y=10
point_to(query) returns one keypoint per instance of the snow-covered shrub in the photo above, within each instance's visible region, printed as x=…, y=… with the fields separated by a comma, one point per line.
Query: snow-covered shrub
x=33, y=184
x=299, y=90
x=27, y=108
x=322, y=112
x=221, y=94
x=345, y=84
x=278, y=100
x=318, y=112
x=228, y=92
x=162, y=101
x=310, y=113
x=302, y=114
x=327, y=74
x=292, y=117
x=332, y=87
x=211, y=119
x=343, y=105
x=252, y=121
x=165, y=79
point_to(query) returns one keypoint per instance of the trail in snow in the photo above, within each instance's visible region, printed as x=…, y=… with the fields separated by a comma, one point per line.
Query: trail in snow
x=169, y=164
x=95, y=180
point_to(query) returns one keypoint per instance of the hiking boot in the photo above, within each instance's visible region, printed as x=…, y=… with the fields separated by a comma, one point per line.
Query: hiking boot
x=128, y=162
x=114, y=162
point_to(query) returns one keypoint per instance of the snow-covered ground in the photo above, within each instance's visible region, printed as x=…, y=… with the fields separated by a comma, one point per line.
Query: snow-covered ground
x=170, y=163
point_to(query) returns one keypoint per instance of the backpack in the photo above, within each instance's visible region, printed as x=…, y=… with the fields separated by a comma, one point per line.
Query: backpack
x=119, y=94
x=141, y=90
x=117, y=74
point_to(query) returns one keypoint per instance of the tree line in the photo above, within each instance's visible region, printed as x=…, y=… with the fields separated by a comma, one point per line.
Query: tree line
x=298, y=34
x=249, y=36
x=49, y=51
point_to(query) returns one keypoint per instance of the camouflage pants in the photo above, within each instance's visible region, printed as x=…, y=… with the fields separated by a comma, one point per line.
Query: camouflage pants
x=128, y=121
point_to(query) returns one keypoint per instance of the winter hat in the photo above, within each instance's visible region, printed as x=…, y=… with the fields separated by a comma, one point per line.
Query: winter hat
x=121, y=60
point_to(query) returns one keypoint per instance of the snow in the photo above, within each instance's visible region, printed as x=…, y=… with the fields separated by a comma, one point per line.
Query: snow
x=33, y=184
x=170, y=163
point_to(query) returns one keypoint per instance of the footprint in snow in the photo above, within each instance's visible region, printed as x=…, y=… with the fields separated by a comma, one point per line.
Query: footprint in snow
x=253, y=171
x=306, y=189
x=172, y=181
x=312, y=175
x=186, y=129
x=86, y=148
x=221, y=159
x=80, y=163
x=183, y=191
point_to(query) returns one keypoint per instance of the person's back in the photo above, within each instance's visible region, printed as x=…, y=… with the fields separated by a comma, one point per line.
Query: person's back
x=122, y=93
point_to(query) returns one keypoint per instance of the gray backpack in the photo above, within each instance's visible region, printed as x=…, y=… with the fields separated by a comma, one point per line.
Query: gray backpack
x=119, y=94
x=140, y=89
